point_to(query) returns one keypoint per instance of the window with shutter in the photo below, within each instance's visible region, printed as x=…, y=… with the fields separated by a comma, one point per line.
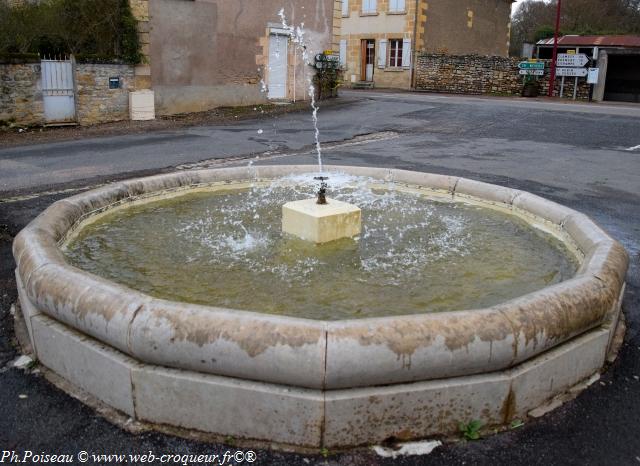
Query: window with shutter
x=396, y=6
x=345, y=7
x=395, y=53
x=369, y=6
x=343, y=53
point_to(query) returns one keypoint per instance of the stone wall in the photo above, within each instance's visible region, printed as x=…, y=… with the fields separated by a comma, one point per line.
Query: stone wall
x=21, y=99
x=95, y=102
x=20, y=94
x=475, y=74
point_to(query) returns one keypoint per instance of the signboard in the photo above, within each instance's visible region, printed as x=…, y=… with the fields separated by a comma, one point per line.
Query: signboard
x=565, y=59
x=532, y=72
x=577, y=72
x=592, y=76
x=527, y=65
x=324, y=62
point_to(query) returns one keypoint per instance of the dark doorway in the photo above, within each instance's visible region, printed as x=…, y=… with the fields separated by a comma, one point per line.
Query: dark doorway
x=623, y=78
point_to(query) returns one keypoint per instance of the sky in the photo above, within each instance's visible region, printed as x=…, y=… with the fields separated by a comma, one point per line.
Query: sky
x=515, y=6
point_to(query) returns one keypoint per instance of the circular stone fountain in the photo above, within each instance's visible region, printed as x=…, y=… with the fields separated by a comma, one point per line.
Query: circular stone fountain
x=177, y=300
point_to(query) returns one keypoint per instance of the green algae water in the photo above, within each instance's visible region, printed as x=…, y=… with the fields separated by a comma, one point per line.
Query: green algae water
x=415, y=254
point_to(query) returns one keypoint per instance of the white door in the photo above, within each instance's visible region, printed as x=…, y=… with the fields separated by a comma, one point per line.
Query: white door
x=58, y=91
x=369, y=58
x=369, y=72
x=278, y=66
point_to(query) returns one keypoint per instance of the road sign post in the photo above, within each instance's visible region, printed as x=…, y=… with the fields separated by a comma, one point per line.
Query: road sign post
x=571, y=64
x=531, y=72
x=571, y=72
x=592, y=78
x=569, y=60
x=528, y=65
x=530, y=68
x=552, y=79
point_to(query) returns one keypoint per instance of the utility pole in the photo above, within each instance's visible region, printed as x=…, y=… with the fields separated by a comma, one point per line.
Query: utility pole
x=552, y=78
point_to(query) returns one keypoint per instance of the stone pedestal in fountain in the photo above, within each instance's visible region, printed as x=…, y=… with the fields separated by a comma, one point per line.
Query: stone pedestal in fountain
x=321, y=223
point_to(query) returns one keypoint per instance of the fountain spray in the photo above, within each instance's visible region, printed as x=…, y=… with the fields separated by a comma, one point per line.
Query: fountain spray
x=297, y=37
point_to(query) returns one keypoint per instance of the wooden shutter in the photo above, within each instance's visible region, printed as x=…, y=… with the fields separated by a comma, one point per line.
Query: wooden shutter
x=369, y=6
x=382, y=53
x=406, y=53
x=343, y=53
x=396, y=5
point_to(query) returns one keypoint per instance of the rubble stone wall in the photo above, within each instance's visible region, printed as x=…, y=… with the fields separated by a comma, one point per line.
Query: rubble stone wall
x=476, y=74
x=20, y=94
x=22, y=102
x=96, y=103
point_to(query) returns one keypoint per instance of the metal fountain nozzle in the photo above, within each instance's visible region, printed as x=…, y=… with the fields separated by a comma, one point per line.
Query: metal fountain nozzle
x=322, y=192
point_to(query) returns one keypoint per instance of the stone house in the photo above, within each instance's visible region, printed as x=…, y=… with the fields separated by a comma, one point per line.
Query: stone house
x=197, y=55
x=379, y=37
x=207, y=53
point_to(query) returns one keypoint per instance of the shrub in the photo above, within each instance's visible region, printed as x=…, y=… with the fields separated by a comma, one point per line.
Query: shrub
x=101, y=28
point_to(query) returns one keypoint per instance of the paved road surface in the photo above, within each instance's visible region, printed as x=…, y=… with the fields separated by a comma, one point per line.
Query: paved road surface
x=585, y=156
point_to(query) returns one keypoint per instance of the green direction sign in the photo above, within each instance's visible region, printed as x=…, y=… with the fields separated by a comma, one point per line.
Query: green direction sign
x=529, y=65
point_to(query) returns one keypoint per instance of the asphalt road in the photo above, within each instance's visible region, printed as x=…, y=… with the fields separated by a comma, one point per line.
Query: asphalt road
x=584, y=156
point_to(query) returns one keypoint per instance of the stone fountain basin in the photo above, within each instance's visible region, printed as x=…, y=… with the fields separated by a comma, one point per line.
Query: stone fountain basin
x=309, y=383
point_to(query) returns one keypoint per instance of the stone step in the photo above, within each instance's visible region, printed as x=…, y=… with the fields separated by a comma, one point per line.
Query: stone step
x=363, y=85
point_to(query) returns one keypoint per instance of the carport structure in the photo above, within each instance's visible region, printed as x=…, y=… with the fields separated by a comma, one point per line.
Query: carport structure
x=617, y=57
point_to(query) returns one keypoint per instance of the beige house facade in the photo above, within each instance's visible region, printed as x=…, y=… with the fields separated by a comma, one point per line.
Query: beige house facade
x=379, y=38
x=376, y=42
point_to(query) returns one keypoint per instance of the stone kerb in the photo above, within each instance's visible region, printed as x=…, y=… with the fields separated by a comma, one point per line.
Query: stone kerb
x=313, y=354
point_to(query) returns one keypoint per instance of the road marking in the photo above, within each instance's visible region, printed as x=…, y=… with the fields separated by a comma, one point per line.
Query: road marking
x=633, y=148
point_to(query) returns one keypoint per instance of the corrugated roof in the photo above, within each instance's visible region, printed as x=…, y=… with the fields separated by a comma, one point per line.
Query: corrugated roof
x=594, y=41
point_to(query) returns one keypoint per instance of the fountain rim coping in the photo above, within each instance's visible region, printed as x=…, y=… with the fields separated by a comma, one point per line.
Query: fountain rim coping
x=311, y=353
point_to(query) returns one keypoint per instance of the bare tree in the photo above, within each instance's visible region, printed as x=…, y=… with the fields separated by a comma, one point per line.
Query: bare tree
x=535, y=19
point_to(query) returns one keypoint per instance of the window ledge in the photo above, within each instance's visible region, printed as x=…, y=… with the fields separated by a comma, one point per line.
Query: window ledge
x=394, y=69
x=396, y=12
x=373, y=13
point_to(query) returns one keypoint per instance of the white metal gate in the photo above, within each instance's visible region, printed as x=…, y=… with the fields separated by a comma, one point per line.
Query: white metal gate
x=58, y=91
x=278, y=50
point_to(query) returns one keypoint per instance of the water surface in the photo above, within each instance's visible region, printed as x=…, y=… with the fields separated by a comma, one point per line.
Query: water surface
x=415, y=255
